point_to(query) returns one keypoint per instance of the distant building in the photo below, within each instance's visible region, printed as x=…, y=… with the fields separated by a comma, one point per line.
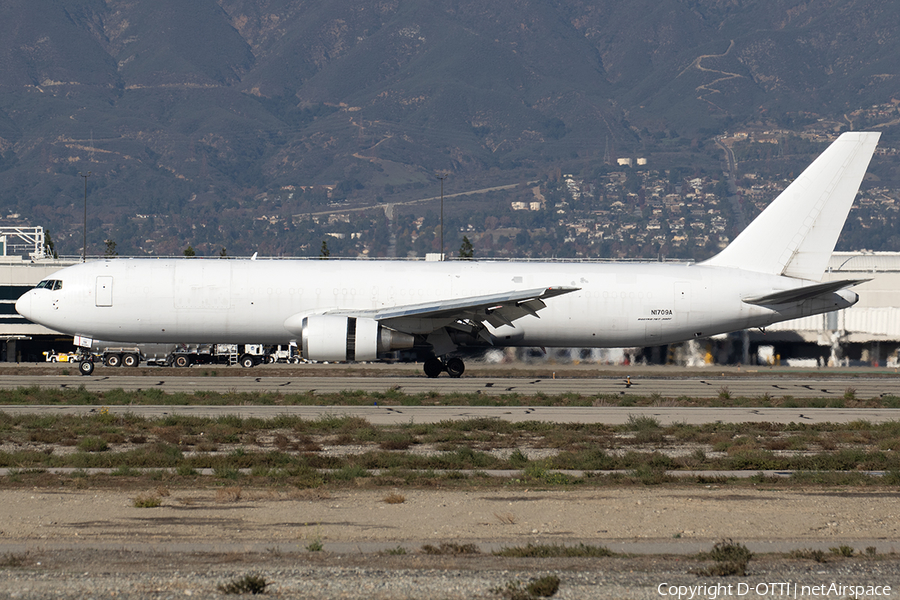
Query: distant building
x=623, y=162
x=869, y=331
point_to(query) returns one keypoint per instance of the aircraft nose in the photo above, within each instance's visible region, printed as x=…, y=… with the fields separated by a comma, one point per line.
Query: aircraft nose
x=23, y=305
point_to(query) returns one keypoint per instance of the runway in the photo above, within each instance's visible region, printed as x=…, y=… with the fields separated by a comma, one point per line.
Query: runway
x=685, y=385
x=396, y=415
x=607, y=393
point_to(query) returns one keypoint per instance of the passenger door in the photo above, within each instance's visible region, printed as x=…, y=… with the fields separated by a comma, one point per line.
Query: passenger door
x=104, y=295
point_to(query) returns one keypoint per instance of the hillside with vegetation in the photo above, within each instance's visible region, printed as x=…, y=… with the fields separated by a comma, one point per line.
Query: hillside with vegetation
x=231, y=123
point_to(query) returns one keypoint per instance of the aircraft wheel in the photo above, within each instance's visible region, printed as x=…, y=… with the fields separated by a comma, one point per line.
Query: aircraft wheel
x=86, y=367
x=433, y=367
x=247, y=361
x=130, y=360
x=182, y=360
x=113, y=360
x=455, y=367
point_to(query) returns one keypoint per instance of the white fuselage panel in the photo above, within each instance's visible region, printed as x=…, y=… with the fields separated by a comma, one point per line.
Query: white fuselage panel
x=248, y=301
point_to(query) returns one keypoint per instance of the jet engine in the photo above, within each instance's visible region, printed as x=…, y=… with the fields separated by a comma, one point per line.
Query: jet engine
x=336, y=337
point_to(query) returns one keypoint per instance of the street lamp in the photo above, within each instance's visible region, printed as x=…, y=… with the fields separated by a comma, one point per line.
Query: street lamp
x=442, y=215
x=84, y=231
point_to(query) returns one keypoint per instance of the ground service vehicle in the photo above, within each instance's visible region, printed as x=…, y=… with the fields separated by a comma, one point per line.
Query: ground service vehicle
x=57, y=357
x=179, y=355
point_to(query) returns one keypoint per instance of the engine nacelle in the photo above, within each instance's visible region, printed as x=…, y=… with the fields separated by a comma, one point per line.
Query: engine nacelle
x=340, y=338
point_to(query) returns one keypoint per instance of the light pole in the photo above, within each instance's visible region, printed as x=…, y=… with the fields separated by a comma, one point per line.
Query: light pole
x=442, y=215
x=84, y=231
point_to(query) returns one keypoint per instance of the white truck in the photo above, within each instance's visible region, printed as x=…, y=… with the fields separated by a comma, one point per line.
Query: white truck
x=131, y=355
x=184, y=355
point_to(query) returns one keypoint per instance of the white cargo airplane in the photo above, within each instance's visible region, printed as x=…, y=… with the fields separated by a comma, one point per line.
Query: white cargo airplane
x=357, y=310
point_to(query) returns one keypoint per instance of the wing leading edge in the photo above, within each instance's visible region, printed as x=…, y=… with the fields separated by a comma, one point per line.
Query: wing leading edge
x=473, y=311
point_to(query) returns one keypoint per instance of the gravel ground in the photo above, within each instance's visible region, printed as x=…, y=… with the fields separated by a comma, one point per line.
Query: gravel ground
x=139, y=576
x=97, y=544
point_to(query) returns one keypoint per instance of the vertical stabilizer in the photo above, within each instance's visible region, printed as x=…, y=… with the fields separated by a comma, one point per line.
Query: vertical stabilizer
x=796, y=234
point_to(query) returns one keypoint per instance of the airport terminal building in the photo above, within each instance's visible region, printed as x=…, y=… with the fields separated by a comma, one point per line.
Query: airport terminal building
x=23, y=263
x=867, y=333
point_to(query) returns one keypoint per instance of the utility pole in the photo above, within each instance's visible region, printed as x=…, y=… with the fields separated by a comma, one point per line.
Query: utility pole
x=441, y=177
x=84, y=231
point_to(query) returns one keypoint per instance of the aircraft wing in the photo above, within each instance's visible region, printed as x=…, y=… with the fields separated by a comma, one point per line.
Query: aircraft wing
x=803, y=293
x=495, y=309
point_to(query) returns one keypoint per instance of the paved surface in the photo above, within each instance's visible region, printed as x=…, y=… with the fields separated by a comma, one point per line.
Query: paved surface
x=831, y=387
x=380, y=415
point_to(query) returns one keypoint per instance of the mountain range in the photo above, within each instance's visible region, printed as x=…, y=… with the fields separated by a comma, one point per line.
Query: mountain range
x=196, y=118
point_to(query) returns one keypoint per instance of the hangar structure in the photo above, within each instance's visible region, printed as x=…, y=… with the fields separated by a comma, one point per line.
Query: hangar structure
x=867, y=333
x=24, y=261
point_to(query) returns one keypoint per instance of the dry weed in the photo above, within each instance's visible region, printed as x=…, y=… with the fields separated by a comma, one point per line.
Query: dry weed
x=229, y=494
x=394, y=498
x=308, y=494
x=146, y=501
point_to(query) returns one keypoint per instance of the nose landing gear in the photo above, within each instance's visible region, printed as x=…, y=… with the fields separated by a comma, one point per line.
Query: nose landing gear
x=86, y=367
x=434, y=366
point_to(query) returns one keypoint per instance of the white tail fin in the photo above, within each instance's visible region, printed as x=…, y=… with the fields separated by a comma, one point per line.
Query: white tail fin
x=796, y=234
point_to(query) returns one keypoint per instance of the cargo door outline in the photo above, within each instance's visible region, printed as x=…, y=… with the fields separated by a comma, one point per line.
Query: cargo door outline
x=104, y=294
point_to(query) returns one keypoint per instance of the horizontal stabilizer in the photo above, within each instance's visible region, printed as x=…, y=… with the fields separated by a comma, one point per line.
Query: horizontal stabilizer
x=803, y=293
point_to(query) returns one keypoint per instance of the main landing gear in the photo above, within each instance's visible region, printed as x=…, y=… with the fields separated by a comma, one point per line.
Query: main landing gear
x=434, y=366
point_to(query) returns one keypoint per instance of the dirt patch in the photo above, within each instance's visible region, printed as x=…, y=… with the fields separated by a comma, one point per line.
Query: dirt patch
x=96, y=543
x=361, y=516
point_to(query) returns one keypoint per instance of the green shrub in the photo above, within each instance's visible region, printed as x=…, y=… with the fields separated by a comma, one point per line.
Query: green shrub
x=248, y=584
x=518, y=459
x=842, y=550
x=315, y=545
x=554, y=551
x=641, y=423
x=147, y=501
x=93, y=444
x=731, y=559
x=544, y=587
x=450, y=548
x=810, y=554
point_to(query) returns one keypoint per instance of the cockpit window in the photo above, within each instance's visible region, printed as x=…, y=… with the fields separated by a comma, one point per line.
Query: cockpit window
x=57, y=284
x=50, y=284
